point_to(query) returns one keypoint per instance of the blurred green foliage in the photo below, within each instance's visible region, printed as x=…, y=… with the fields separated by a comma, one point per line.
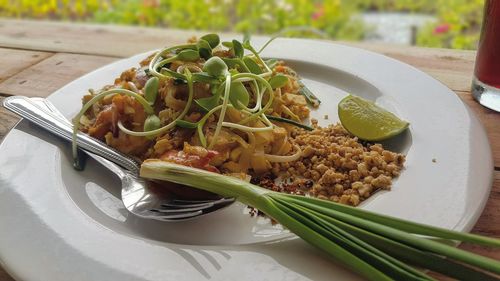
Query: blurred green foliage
x=457, y=24
x=54, y=9
x=253, y=16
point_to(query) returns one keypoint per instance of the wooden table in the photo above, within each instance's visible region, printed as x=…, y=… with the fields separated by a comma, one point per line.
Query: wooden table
x=37, y=58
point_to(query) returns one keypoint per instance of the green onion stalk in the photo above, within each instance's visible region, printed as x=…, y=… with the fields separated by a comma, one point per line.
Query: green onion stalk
x=376, y=246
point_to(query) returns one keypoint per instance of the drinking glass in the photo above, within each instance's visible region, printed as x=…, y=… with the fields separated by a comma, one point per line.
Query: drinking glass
x=486, y=82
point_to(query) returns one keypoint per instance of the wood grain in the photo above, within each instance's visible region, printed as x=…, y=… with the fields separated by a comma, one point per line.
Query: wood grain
x=453, y=68
x=45, y=77
x=7, y=121
x=14, y=61
x=93, y=39
x=4, y=276
x=490, y=120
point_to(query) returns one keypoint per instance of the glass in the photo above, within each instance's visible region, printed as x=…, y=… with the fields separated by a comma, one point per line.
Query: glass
x=486, y=83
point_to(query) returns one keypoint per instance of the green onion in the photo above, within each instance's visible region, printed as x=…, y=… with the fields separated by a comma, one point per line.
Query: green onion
x=378, y=247
x=286, y=120
x=310, y=97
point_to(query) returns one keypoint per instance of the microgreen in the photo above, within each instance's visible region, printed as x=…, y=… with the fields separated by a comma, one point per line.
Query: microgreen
x=227, y=44
x=151, y=89
x=215, y=66
x=252, y=66
x=188, y=55
x=238, y=49
x=204, y=49
x=209, y=103
x=238, y=95
x=278, y=81
x=232, y=63
x=225, y=101
x=212, y=39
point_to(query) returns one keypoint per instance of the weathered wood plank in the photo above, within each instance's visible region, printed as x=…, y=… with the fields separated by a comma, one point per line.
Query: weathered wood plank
x=4, y=276
x=14, y=61
x=490, y=120
x=488, y=225
x=7, y=121
x=94, y=39
x=489, y=222
x=453, y=68
x=51, y=74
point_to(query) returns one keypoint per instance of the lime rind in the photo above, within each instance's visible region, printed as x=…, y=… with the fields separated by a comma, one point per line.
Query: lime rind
x=367, y=121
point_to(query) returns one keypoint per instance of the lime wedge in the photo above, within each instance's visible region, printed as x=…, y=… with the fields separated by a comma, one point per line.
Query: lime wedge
x=367, y=121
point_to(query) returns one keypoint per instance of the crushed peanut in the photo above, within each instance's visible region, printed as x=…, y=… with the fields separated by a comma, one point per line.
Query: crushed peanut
x=337, y=166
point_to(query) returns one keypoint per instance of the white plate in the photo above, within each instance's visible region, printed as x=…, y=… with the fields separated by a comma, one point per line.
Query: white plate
x=59, y=224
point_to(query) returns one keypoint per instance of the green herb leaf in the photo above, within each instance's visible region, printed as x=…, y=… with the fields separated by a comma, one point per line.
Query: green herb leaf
x=238, y=49
x=209, y=103
x=188, y=55
x=186, y=124
x=232, y=62
x=310, y=97
x=278, y=81
x=212, y=39
x=238, y=95
x=215, y=66
x=204, y=49
x=227, y=44
x=252, y=65
x=151, y=89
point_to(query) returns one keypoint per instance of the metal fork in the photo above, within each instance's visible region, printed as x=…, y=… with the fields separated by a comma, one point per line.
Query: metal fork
x=136, y=196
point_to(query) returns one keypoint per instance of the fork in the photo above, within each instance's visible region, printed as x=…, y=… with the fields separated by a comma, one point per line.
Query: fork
x=136, y=196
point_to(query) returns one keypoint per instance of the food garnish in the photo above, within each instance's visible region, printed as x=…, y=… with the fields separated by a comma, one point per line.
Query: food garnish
x=224, y=97
x=368, y=121
x=375, y=246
